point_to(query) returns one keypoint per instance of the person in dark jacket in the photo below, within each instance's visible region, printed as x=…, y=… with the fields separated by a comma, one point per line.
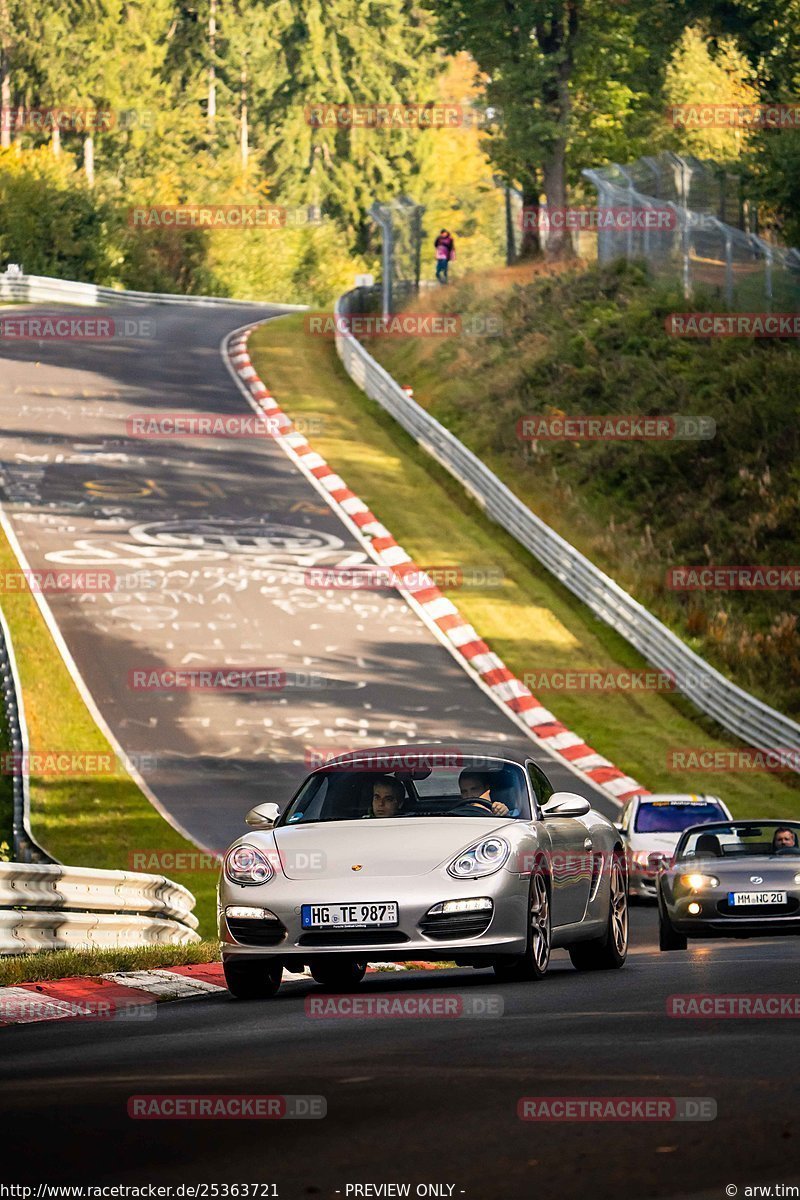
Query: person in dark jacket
x=445, y=251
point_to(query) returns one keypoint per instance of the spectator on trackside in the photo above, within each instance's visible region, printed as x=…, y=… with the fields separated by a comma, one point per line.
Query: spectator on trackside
x=445, y=251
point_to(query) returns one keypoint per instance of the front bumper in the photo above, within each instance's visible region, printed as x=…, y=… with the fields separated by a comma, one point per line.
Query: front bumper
x=412, y=938
x=710, y=922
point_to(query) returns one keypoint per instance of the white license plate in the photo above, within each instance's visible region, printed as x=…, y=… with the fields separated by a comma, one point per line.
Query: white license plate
x=349, y=916
x=750, y=898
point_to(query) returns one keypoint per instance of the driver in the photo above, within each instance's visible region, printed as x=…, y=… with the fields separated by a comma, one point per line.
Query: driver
x=784, y=839
x=476, y=799
x=388, y=797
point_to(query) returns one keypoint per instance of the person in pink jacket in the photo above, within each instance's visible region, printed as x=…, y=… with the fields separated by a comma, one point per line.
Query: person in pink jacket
x=445, y=251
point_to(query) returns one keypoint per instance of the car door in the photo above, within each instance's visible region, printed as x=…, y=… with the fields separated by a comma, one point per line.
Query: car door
x=570, y=856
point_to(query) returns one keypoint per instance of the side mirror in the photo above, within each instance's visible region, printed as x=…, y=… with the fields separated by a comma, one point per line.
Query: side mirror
x=263, y=816
x=566, y=804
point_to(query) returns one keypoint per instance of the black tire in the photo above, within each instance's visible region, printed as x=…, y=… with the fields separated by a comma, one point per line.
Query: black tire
x=608, y=953
x=533, y=964
x=338, y=973
x=256, y=980
x=668, y=936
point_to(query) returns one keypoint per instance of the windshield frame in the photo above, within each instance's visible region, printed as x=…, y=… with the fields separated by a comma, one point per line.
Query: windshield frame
x=366, y=764
x=769, y=823
x=645, y=802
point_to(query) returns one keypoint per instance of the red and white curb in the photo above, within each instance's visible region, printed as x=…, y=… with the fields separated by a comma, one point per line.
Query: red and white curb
x=129, y=995
x=118, y=995
x=437, y=611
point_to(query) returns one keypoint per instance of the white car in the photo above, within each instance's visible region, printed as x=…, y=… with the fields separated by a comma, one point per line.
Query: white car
x=651, y=827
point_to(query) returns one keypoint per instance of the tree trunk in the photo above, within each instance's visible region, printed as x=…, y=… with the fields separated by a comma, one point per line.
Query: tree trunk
x=559, y=241
x=88, y=159
x=559, y=42
x=511, y=241
x=5, y=78
x=55, y=142
x=531, y=242
x=244, y=143
x=212, y=69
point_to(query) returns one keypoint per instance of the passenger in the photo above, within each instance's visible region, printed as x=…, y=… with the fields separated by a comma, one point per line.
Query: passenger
x=784, y=839
x=476, y=799
x=388, y=797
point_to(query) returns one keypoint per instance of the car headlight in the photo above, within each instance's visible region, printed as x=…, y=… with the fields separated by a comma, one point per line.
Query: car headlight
x=485, y=858
x=248, y=866
x=695, y=882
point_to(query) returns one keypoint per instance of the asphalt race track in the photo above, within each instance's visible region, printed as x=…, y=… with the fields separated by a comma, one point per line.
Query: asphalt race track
x=226, y=531
x=210, y=543
x=426, y=1100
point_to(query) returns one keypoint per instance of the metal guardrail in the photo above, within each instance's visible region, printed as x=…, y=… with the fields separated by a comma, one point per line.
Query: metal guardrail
x=47, y=906
x=41, y=289
x=735, y=709
x=25, y=847
x=52, y=907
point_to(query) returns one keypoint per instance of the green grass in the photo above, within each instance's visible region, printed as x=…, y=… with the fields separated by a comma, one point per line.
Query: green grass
x=531, y=621
x=93, y=820
x=592, y=341
x=60, y=964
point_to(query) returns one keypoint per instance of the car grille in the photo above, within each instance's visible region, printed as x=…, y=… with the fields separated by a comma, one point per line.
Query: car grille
x=248, y=932
x=759, y=910
x=353, y=937
x=450, y=925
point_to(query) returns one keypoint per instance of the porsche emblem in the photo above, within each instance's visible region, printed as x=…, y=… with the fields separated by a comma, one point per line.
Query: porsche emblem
x=356, y=867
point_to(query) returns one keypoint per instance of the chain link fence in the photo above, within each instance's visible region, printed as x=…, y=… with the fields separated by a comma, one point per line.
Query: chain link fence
x=400, y=223
x=696, y=246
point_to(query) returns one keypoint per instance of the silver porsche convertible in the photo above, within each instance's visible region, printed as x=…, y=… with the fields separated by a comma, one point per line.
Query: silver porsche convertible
x=421, y=853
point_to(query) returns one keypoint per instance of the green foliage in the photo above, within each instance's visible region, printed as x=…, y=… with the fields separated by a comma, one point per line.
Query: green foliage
x=593, y=343
x=51, y=222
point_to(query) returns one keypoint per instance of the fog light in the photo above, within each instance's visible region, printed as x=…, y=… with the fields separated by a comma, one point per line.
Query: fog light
x=455, y=906
x=694, y=908
x=245, y=912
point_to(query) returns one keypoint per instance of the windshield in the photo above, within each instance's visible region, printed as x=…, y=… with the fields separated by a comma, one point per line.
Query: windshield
x=381, y=789
x=671, y=816
x=740, y=838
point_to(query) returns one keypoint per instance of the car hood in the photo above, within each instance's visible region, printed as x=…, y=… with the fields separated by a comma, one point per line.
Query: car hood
x=653, y=843
x=774, y=872
x=394, y=846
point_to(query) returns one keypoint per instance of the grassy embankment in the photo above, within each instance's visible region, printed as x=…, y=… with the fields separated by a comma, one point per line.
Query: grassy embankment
x=532, y=622
x=592, y=341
